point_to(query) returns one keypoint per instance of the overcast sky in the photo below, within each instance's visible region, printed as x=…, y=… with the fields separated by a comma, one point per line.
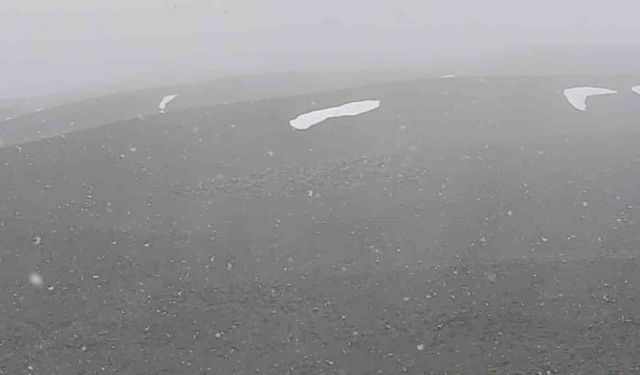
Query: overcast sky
x=50, y=45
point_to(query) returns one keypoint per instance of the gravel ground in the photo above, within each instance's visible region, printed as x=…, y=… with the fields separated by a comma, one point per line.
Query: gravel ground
x=515, y=317
x=223, y=242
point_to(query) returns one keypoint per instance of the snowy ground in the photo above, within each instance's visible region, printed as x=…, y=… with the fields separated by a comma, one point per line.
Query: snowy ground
x=578, y=96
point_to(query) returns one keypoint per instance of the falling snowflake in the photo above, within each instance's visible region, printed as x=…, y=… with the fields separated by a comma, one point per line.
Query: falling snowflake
x=35, y=280
x=491, y=277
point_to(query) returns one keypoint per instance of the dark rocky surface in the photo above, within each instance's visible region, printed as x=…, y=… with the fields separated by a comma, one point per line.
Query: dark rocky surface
x=471, y=226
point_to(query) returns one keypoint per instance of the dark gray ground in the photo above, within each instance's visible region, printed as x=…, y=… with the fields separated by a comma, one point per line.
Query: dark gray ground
x=30, y=119
x=482, y=220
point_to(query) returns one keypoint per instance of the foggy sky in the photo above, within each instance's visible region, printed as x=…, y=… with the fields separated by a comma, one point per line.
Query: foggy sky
x=50, y=46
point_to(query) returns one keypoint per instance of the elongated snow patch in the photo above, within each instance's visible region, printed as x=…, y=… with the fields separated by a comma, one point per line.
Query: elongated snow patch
x=636, y=89
x=577, y=96
x=165, y=101
x=307, y=120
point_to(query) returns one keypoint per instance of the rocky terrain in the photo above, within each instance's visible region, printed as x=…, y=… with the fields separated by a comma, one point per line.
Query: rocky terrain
x=468, y=226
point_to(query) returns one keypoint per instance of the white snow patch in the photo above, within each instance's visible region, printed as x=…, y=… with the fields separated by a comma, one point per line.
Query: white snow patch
x=636, y=89
x=165, y=101
x=307, y=120
x=449, y=76
x=35, y=279
x=577, y=96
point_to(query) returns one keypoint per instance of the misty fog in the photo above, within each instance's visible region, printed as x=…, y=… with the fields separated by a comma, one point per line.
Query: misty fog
x=319, y=187
x=67, y=45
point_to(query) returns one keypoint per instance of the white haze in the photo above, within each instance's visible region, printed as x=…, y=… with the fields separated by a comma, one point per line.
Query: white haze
x=52, y=46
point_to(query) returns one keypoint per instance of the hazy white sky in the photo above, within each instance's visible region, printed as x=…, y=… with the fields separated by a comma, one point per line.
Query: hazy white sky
x=78, y=41
x=81, y=19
